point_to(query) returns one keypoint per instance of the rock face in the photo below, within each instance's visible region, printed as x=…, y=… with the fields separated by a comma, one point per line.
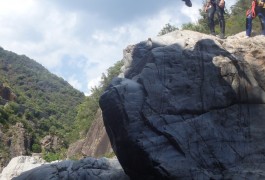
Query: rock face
x=51, y=142
x=15, y=142
x=88, y=168
x=190, y=106
x=6, y=93
x=20, y=141
x=96, y=143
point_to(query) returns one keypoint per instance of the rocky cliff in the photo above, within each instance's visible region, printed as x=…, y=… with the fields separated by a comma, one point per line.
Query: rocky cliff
x=189, y=106
x=96, y=143
x=15, y=141
x=6, y=93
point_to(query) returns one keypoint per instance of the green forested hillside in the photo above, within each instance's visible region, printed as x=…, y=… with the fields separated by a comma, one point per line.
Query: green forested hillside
x=88, y=109
x=45, y=104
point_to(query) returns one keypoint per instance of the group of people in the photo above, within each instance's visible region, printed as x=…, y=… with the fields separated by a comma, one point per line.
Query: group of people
x=212, y=7
x=217, y=6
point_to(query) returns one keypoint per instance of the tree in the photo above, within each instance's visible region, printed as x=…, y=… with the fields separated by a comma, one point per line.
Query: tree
x=88, y=109
x=167, y=29
x=194, y=27
x=36, y=148
x=3, y=115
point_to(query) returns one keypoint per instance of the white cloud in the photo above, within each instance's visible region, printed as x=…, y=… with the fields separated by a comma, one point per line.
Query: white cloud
x=91, y=84
x=16, y=6
x=192, y=12
x=74, y=82
x=79, y=40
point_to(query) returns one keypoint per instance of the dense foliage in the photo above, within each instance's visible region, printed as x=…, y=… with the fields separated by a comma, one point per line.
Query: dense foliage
x=45, y=103
x=167, y=29
x=88, y=109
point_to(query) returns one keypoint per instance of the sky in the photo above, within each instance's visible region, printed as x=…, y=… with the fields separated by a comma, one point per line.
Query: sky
x=79, y=40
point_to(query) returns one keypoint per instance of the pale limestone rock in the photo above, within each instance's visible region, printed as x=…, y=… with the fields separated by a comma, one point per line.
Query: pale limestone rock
x=19, y=164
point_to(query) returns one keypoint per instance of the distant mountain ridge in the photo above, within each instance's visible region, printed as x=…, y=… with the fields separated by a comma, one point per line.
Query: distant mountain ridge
x=42, y=104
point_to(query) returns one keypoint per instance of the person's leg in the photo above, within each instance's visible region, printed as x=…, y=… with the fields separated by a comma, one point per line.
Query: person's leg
x=262, y=21
x=249, y=25
x=221, y=19
x=210, y=14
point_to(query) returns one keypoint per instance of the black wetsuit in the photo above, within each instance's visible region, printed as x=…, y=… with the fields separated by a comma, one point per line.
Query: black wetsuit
x=220, y=14
x=260, y=11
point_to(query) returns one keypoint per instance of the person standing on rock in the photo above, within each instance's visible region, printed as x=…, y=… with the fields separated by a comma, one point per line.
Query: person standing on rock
x=260, y=11
x=251, y=14
x=257, y=8
x=217, y=6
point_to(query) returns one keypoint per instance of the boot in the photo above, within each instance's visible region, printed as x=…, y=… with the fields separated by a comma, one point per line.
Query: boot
x=222, y=28
x=212, y=31
x=221, y=36
x=262, y=21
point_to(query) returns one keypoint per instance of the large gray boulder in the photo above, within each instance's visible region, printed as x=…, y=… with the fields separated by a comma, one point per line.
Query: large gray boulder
x=189, y=106
x=88, y=168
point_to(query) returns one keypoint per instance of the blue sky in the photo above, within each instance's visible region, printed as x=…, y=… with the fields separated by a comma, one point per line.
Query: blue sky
x=79, y=40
